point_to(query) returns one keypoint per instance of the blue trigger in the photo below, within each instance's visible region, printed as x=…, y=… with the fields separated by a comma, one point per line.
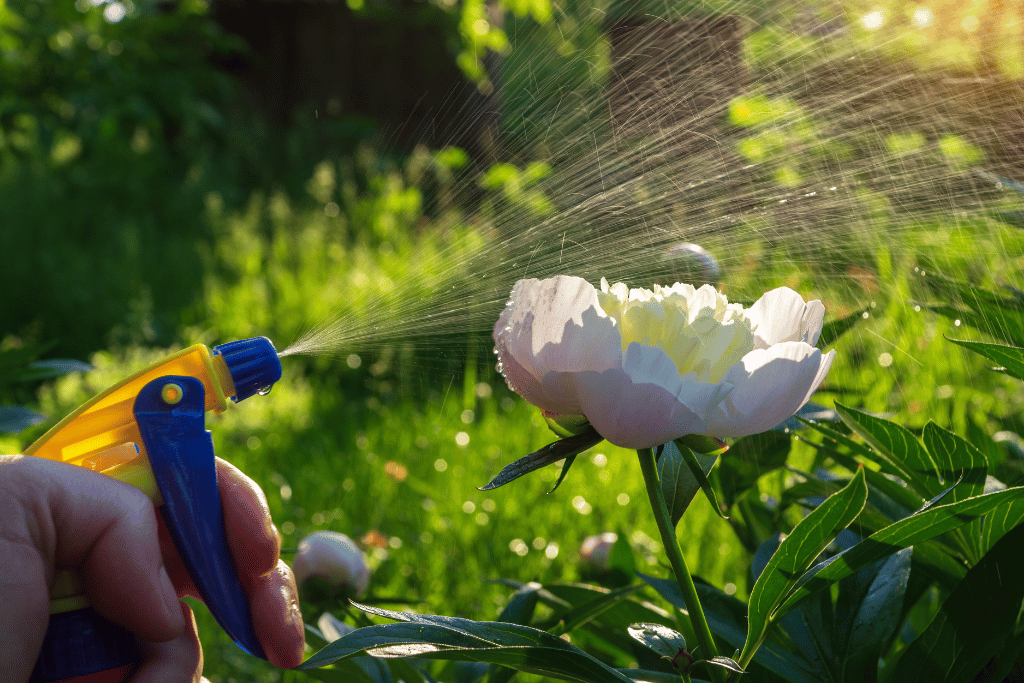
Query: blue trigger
x=171, y=419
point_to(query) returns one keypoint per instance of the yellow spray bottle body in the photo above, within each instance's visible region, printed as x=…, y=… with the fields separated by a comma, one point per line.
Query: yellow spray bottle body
x=102, y=434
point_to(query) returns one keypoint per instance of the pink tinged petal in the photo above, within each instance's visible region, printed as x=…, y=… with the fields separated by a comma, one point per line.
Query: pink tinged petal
x=770, y=385
x=647, y=402
x=554, y=326
x=781, y=315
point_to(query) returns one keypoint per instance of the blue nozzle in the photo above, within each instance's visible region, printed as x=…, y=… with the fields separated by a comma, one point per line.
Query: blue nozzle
x=253, y=365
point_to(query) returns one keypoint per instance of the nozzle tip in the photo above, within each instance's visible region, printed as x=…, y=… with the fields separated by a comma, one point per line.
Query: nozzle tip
x=253, y=364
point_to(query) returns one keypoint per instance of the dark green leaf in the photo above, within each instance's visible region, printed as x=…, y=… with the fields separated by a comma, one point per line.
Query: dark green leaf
x=897, y=447
x=677, y=480
x=748, y=459
x=876, y=619
x=17, y=418
x=909, y=531
x=796, y=553
x=1009, y=358
x=581, y=614
x=663, y=640
x=726, y=663
x=996, y=523
x=699, y=466
x=809, y=411
x=620, y=558
x=726, y=617
x=833, y=329
x=1000, y=316
x=521, y=605
x=435, y=637
x=553, y=452
x=956, y=459
x=566, y=464
x=975, y=620
x=571, y=597
x=645, y=676
x=899, y=493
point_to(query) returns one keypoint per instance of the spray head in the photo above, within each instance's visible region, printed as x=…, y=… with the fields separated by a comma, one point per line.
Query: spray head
x=253, y=364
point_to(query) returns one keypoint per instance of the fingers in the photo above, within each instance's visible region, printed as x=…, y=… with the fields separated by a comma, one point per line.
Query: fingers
x=174, y=661
x=274, y=601
x=78, y=518
x=255, y=544
x=254, y=540
x=251, y=535
x=270, y=584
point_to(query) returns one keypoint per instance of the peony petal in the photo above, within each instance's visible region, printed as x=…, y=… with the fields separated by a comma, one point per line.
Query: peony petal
x=770, y=385
x=551, y=327
x=524, y=383
x=781, y=315
x=647, y=402
x=557, y=324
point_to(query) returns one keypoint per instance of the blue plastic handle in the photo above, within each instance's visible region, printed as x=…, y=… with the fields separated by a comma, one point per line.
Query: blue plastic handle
x=171, y=419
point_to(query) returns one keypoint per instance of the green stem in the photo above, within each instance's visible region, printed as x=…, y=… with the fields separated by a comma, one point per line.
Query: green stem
x=675, y=558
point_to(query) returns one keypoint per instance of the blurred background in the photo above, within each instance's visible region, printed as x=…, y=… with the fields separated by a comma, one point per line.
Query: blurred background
x=207, y=170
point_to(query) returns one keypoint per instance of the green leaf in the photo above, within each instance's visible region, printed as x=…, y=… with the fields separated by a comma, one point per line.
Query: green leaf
x=900, y=451
x=1001, y=317
x=568, y=599
x=727, y=663
x=956, y=459
x=521, y=605
x=621, y=560
x=795, y=555
x=975, y=620
x=17, y=418
x=678, y=480
x=566, y=464
x=553, y=452
x=699, y=466
x=833, y=329
x=1009, y=358
x=581, y=614
x=748, y=459
x=663, y=640
x=996, y=523
x=435, y=637
x=519, y=610
x=726, y=618
x=912, y=530
x=646, y=676
x=896, y=491
x=876, y=619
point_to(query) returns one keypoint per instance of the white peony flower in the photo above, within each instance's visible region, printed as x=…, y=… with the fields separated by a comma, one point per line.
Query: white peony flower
x=335, y=559
x=645, y=367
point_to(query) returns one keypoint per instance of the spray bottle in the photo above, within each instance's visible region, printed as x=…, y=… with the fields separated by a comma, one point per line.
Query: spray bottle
x=149, y=431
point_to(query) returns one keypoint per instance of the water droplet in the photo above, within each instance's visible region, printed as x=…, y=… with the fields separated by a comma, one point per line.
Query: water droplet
x=264, y=391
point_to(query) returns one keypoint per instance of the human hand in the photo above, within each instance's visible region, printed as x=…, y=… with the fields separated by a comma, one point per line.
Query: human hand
x=55, y=516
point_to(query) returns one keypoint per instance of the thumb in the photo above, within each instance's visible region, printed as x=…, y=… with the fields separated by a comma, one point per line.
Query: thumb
x=54, y=515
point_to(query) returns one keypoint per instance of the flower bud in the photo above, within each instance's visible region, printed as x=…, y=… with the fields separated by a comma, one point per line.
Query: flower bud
x=596, y=551
x=333, y=560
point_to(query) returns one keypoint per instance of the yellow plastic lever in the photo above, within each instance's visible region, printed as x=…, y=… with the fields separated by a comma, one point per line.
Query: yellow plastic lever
x=102, y=434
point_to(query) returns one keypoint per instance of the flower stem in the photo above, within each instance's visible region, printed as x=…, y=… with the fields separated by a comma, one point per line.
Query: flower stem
x=675, y=558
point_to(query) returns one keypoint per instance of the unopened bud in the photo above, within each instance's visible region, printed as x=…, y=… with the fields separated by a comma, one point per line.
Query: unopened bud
x=596, y=550
x=333, y=560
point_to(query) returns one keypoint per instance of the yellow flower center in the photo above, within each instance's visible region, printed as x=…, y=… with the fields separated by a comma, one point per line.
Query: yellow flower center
x=697, y=328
